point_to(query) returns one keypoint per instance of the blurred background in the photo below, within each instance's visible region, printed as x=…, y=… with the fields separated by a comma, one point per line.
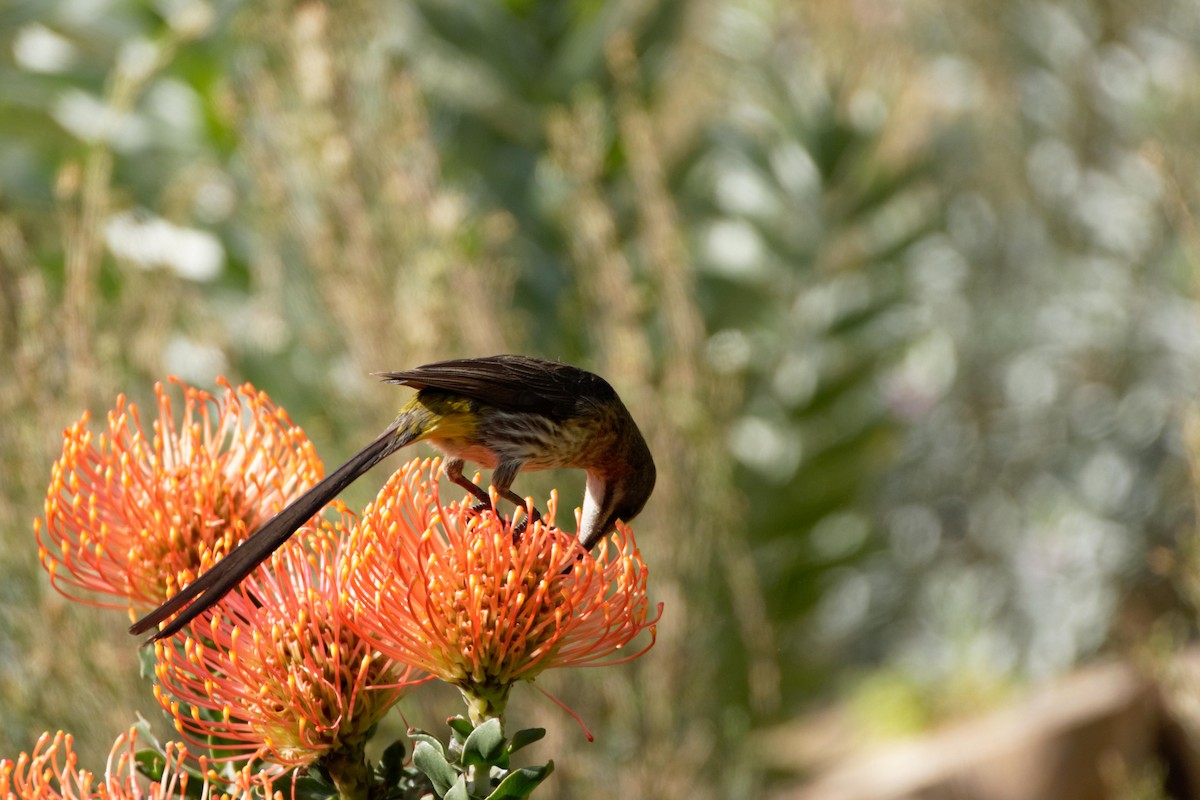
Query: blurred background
x=903, y=295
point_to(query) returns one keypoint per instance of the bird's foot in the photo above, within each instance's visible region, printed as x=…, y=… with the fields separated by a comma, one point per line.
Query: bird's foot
x=532, y=515
x=518, y=529
x=479, y=508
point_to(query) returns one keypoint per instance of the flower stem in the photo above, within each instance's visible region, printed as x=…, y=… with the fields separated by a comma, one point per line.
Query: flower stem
x=485, y=701
x=473, y=786
x=348, y=769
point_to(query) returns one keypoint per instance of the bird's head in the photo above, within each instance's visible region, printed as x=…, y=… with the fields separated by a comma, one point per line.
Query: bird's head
x=619, y=491
x=631, y=490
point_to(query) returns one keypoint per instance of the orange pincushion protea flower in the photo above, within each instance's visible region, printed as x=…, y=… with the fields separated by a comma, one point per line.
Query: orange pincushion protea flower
x=278, y=674
x=461, y=596
x=138, y=516
x=51, y=772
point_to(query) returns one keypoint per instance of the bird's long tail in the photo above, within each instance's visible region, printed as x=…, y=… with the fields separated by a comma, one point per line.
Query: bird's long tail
x=227, y=573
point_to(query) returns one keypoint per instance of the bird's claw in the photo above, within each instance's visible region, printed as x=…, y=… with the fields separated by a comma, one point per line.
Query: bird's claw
x=479, y=508
x=518, y=529
x=532, y=515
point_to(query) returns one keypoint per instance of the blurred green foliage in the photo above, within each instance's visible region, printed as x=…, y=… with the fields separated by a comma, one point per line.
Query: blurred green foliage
x=902, y=294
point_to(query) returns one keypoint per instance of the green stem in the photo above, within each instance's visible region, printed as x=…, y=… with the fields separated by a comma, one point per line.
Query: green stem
x=473, y=786
x=348, y=769
x=485, y=702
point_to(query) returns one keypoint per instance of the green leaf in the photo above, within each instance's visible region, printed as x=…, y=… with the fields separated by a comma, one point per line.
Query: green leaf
x=524, y=738
x=484, y=745
x=391, y=763
x=150, y=763
x=521, y=783
x=312, y=787
x=432, y=762
x=146, y=662
x=314, y=784
x=454, y=750
x=461, y=726
x=459, y=790
x=418, y=735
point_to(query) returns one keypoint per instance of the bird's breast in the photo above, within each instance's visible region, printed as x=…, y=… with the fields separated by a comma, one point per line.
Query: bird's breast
x=536, y=441
x=467, y=450
x=545, y=443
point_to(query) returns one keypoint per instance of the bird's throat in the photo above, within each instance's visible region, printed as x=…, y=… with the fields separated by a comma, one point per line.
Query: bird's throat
x=596, y=509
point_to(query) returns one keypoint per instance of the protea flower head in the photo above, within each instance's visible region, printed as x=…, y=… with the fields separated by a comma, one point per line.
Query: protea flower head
x=133, y=515
x=52, y=772
x=278, y=674
x=469, y=599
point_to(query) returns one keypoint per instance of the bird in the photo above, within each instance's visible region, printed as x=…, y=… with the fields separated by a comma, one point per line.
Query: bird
x=506, y=413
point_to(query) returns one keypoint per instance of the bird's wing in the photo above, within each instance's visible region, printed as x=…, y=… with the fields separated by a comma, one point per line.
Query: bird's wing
x=513, y=383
